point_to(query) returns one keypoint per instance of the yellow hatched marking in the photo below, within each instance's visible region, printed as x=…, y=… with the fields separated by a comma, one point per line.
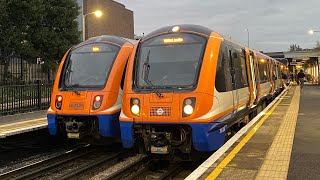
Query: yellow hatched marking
x=215, y=173
x=276, y=163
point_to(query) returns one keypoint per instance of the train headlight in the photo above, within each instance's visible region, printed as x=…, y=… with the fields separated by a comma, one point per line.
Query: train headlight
x=188, y=109
x=188, y=106
x=58, y=102
x=135, y=106
x=97, y=101
x=135, y=109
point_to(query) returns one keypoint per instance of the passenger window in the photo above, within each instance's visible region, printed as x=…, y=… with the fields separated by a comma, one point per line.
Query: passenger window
x=275, y=77
x=244, y=69
x=263, y=65
x=240, y=70
x=223, y=79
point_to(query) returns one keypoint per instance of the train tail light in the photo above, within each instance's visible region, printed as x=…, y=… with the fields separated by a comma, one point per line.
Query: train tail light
x=58, y=102
x=97, y=101
x=188, y=106
x=135, y=106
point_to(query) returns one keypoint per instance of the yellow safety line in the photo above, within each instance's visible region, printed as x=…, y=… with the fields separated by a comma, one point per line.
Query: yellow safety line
x=215, y=173
x=21, y=122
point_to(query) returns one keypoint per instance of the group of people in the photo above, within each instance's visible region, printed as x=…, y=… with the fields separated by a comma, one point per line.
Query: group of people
x=299, y=78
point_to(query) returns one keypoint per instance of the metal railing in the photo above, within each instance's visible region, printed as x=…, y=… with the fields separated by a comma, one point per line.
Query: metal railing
x=24, y=98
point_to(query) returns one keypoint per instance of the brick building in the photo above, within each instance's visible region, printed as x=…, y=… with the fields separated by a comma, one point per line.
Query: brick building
x=116, y=19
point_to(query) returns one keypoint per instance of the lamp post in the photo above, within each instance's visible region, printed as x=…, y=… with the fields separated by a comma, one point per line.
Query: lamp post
x=248, y=37
x=97, y=13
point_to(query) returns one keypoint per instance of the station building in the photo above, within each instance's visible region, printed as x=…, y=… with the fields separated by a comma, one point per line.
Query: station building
x=307, y=60
x=116, y=19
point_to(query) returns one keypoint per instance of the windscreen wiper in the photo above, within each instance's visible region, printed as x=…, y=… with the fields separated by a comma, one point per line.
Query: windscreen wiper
x=146, y=70
x=66, y=81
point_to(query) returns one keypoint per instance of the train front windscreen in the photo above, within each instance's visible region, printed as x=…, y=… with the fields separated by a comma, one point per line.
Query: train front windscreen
x=88, y=67
x=169, y=61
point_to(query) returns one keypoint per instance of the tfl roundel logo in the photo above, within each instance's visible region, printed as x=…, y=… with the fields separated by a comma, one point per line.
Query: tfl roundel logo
x=160, y=111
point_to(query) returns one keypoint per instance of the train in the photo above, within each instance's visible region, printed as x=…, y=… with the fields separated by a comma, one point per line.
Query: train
x=187, y=88
x=87, y=92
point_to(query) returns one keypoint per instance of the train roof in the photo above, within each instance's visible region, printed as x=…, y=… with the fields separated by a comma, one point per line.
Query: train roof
x=107, y=38
x=199, y=29
x=183, y=27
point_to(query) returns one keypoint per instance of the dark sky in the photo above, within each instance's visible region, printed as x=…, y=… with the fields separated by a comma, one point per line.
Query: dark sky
x=273, y=24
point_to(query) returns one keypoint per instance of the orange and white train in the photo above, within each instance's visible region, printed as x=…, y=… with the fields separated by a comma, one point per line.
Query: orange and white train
x=87, y=93
x=187, y=86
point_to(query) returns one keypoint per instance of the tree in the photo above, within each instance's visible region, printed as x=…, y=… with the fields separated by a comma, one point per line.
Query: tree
x=317, y=47
x=295, y=47
x=58, y=30
x=37, y=28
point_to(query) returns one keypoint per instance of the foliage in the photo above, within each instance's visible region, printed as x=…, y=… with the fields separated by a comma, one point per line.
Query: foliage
x=317, y=47
x=295, y=47
x=38, y=28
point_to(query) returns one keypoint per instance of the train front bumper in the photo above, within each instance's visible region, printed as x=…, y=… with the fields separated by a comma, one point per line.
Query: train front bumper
x=206, y=137
x=108, y=124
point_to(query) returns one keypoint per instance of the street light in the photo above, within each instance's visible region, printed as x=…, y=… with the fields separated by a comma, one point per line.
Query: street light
x=97, y=13
x=313, y=31
x=248, y=37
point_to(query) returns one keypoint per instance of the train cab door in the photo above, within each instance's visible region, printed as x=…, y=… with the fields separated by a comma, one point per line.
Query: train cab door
x=233, y=55
x=253, y=75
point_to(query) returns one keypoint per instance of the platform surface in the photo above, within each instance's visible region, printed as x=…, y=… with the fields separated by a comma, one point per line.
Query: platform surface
x=20, y=123
x=283, y=144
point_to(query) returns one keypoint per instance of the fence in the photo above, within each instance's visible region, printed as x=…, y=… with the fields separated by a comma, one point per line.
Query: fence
x=24, y=98
x=24, y=86
x=16, y=71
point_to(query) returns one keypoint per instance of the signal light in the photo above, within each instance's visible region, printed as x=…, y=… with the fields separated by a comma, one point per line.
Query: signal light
x=58, y=102
x=97, y=101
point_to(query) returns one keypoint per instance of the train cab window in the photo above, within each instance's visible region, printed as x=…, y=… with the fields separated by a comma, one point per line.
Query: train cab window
x=223, y=79
x=263, y=70
x=170, y=61
x=88, y=66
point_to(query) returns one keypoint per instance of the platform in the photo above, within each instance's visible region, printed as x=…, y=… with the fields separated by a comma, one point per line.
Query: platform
x=284, y=143
x=26, y=122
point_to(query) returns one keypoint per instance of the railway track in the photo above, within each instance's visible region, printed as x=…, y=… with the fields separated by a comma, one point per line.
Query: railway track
x=148, y=168
x=68, y=165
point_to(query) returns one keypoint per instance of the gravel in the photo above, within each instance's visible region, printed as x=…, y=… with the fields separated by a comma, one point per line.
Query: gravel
x=121, y=165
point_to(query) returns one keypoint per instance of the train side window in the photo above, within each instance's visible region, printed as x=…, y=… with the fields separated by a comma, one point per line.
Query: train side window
x=223, y=81
x=263, y=70
x=240, y=69
x=275, y=74
x=244, y=77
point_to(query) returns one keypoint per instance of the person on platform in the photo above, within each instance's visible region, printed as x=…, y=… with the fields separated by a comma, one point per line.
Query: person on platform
x=301, y=76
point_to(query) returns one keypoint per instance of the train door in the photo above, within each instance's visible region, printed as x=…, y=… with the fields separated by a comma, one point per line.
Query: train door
x=253, y=75
x=235, y=96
